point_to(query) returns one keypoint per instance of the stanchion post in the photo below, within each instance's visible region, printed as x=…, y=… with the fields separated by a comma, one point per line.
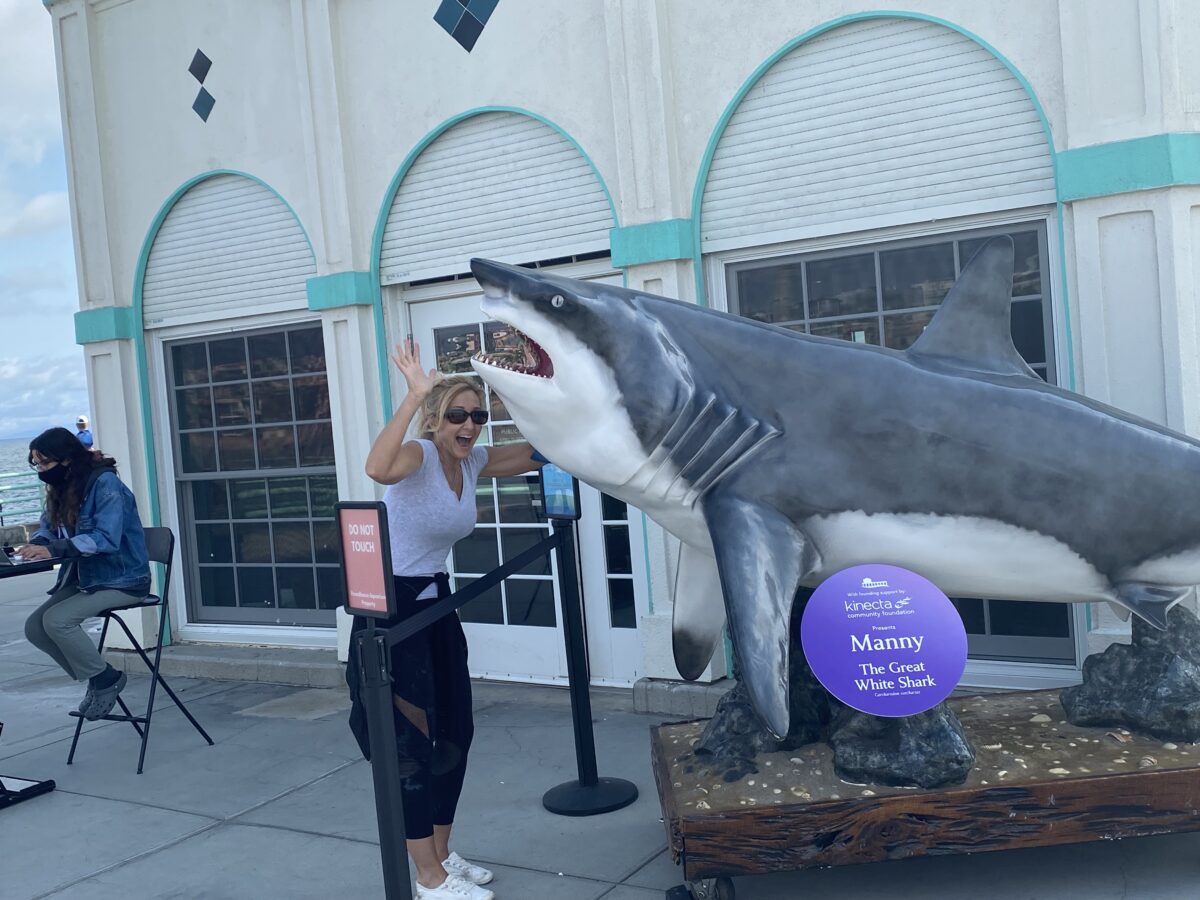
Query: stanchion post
x=577, y=670
x=590, y=794
x=376, y=684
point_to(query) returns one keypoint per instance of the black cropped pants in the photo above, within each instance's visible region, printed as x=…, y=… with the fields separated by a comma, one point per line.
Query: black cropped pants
x=431, y=689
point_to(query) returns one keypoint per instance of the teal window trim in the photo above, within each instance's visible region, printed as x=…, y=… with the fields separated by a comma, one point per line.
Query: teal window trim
x=143, y=368
x=748, y=85
x=1122, y=167
x=339, y=289
x=389, y=197
x=105, y=323
x=752, y=80
x=651, y=242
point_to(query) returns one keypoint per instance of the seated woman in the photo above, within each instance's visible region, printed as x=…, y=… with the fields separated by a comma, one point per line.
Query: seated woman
x=90, y=522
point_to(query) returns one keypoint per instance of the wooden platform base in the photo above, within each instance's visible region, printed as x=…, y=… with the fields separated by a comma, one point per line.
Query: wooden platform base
x=1038, y=781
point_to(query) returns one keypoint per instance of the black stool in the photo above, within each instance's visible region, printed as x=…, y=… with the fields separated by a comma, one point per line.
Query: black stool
x=160, y=546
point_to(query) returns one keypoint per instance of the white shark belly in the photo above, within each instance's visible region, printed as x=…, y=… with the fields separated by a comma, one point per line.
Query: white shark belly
x=964, y=556
x=1177, y=569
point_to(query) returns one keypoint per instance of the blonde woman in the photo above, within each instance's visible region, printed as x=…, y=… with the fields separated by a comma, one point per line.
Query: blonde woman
x=431, y=504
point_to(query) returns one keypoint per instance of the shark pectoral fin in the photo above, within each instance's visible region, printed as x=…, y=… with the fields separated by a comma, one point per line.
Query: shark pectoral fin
x=698, y=617
x=1151, y=602
x=762, y=557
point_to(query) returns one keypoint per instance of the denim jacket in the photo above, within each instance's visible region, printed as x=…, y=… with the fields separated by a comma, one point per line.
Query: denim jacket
x=107, y=547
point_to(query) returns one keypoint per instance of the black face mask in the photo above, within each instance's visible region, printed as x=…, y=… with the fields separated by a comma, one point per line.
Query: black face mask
x=56, y=476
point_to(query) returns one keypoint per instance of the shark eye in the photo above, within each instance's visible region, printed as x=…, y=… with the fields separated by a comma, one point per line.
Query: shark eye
x=557, y=301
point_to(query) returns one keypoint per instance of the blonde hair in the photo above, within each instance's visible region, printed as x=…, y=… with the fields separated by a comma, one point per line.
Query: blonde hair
x=440, y=398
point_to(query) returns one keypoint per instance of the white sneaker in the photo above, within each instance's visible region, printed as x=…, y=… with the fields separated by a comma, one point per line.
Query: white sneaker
x=454, y=888
x=456, y=865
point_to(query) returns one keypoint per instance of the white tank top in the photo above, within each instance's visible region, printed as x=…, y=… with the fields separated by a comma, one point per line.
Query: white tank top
x=425, y=519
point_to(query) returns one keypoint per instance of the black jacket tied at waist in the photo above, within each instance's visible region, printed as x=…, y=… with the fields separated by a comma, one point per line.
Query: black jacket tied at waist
x=407, y=591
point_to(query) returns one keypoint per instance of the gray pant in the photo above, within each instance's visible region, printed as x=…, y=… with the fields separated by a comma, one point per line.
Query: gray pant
x=54, y=628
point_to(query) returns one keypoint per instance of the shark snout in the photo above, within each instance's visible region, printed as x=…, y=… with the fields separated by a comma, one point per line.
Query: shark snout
x=496, y=279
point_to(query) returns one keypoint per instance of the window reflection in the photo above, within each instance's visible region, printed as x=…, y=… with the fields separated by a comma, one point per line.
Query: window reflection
x=622, y=613
x=841, y=286
x=772, y=294
x=455, y=346
x=486, y=609
x=531, y=602
x=860, y=331
x=901, y=330
x=916, y=276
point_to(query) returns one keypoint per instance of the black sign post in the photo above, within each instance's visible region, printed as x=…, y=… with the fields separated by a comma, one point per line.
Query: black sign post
x=375, y=680
x=367, y=570
x=589, y=795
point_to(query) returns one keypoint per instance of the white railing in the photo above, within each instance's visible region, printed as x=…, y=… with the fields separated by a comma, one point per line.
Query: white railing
x=22, y=496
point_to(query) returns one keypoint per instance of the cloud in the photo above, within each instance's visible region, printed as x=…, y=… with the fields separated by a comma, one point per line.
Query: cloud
x=29, y=114
x=41, y=213
x=38, y=394
x=34, y=290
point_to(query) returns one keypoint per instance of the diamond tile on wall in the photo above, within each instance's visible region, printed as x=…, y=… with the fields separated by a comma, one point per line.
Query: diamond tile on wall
x=200, y=66
x=463, y=20
x=481, y=9
x=203, y=104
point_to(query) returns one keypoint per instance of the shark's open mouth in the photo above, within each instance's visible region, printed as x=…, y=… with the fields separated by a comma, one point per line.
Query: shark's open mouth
x=520, y=353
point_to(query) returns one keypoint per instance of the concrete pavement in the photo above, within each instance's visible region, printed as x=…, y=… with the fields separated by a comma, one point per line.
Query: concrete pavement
x=281, y=806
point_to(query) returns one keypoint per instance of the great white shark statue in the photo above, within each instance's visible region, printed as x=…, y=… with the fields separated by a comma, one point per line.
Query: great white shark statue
x=779, y=458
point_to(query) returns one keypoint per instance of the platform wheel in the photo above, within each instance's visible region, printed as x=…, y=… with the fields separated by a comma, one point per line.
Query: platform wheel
x=712, y=889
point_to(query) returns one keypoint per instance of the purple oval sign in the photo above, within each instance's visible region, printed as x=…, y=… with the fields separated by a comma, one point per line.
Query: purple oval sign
x=884, y=640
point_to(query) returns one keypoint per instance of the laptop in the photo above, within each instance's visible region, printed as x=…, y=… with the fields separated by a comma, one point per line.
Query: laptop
x=8, y=557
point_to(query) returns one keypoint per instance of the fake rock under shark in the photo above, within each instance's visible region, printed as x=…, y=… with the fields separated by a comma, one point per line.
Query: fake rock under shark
x=779, y=458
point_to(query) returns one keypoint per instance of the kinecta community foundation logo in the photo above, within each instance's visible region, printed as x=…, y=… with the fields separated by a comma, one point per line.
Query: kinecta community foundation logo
x=872, y=597
x=877, y=607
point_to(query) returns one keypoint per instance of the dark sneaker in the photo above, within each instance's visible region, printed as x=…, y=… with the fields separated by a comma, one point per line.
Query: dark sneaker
x=104, y=699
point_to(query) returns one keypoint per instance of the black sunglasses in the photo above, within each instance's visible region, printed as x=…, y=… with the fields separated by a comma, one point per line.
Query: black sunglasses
x=456, y=415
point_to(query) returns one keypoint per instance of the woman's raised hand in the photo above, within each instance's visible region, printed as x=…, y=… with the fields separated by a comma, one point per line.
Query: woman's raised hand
x=407, y=358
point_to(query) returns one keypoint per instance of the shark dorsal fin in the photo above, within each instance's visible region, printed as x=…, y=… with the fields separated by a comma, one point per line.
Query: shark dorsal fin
x=971, y=329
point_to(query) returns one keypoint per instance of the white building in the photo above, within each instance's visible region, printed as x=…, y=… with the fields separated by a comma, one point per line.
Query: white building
x=266, y=196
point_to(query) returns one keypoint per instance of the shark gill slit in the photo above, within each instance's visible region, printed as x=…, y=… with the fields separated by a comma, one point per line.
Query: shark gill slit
x=701, y=485
x=697, y=425
x=682, y=472
x=683, y=437
x=771, y=434
x=661, y=452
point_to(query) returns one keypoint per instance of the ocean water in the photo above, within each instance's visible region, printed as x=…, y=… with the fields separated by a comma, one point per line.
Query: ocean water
x=21, y=496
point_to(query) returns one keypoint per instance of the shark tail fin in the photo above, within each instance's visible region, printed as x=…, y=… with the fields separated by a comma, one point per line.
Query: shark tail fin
x=1150, y=602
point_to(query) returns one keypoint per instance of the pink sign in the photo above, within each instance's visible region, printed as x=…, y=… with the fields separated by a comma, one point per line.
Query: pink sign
x=363, y=556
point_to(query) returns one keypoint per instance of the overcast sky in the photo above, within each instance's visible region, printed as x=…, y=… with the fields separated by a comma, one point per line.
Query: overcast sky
x=41, y=367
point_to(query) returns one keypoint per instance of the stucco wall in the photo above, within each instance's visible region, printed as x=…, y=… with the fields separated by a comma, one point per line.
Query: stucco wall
x=324, y=100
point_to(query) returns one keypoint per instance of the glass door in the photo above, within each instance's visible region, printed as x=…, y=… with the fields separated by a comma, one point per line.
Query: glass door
x=515, y=630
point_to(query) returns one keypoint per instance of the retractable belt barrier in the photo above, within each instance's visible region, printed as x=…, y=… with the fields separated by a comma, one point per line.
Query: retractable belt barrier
x=451, y=603
x=370, y=593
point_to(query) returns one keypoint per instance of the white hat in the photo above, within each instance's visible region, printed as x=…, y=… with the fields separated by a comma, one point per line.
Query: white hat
x=82, y=420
